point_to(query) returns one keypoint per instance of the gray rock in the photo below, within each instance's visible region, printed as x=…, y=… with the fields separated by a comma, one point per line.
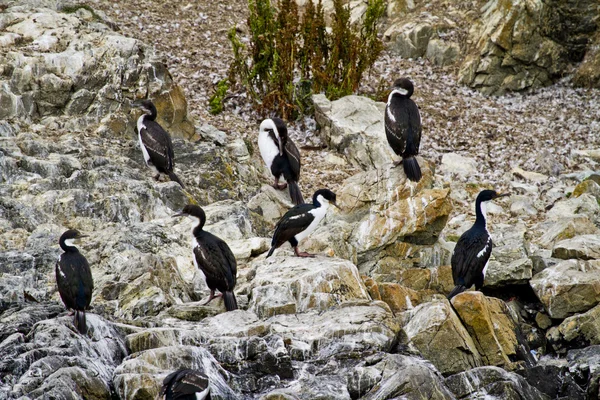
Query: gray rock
x=585, y=204
x=492, y=382
x=584, y=247
x=584, y=364
x=441, y=52
x=509, y=263
x=453, y=163
x=570, y=287
x=409, y=40
x=563, y=229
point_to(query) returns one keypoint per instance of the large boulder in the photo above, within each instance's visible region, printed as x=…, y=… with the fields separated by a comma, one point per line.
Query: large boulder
x=568, y=288
x=510, y=263
x=584, y=247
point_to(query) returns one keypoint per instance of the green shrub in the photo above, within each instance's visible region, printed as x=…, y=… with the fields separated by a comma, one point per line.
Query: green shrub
x=289, y=58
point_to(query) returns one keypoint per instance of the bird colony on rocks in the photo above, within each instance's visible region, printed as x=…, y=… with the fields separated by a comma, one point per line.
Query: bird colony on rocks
x=377, y=305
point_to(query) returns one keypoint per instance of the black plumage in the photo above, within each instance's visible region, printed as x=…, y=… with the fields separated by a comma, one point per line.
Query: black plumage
x=155, y=142
x=74, y=278
x=281, y=156
x=403, y=127
x=186, y=384
x=214, y=258
x=301, y=221
x=473, y=249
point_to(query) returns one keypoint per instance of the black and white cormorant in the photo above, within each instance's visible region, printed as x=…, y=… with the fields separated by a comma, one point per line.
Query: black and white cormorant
x=214, y=258
x=403, y=127
x=155, y=142
x=74, y=278
x=281, y=156
x=473, y=249
x=185, y=384
x=300, y=221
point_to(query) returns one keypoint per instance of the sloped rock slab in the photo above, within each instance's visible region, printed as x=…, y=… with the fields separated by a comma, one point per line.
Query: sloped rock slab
x=584, y=247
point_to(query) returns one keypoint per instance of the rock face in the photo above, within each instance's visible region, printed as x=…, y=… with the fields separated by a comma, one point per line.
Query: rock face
x=518, y=45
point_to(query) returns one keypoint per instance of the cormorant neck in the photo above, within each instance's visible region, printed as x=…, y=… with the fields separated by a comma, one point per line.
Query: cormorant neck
x=151, y=116
x=67, y=245
x=480, y=217
x=200, y=225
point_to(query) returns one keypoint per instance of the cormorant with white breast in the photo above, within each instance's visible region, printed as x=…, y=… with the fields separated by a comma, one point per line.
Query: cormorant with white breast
x=473, y=249
x=403, y=127
x=214, y=258
x=185, y=384
x=281, y=156
x=155, y=142
x=300, y=221
x=74, y=278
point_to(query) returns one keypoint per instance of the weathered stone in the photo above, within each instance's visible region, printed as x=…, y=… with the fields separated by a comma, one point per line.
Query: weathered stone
x=441, y=52
x=588, y=73
x=587, y=186
x=529, y=176
x=453, y=163
x=586, y=204
x=552, y=377
x=492, y=382
x=564, y=228
x=398, y=297
x=582, y=329
x=509, y=263
x=584, y=247
x=568, y=288
x=490, y=325
x=289, y=285
x=271, y=204
x=410, y=40
x=436, y=331
x=584, y=364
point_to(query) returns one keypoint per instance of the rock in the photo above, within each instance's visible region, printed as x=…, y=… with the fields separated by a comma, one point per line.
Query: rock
x=398, y=297
x=522, y=205
x=584, y=247
x=353, y=126
x=492, y=382
x=509, y=263
x=490, y=325
x=141, y=375
x=453, y=163
x=435, y=330
x=290, y=285
x=409, y=40
x=584, y=364
x=582, y=329
x=585, y=204
x=529, y=176
x=404, y=377
x=553, y=378
x=442, y=53
x=271, y=204
x=564, y=228
x=570, y=287
x=588, y=75
x=587, y=186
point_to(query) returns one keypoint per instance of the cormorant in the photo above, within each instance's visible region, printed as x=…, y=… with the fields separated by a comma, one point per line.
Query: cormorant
x=403, y=127
x=473, y=249
x=74, y=278
x=281, y=156
x=300, y=221
x=214, y=258
x=185, y=384
x=155, y=142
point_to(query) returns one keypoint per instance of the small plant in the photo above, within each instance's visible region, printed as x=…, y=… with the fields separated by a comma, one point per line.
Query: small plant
x=289, y=58
x=216, y=101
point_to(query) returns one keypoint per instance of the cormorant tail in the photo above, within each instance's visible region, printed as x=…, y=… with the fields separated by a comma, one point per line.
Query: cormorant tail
x=230, y=301
x=174, y=178
x=295, y=193
x=457, y=289
x=412, y=169
x=270, y=252
x=79, y=322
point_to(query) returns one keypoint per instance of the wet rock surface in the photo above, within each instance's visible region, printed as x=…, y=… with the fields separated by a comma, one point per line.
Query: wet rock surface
x=367, y=318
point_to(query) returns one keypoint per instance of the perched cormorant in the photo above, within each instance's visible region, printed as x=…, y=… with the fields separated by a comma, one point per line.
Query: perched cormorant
x=403, y=127
x=473, y=249
x=214, y=258
x=300, y=221
x=185, y=384
x=155, y=142
x=281, y=156
x=74, y=278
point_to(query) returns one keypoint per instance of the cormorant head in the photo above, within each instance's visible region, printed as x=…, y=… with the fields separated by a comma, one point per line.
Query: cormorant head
x=70, y=237
x=277, y=129
x=147, y=106
x=487, y=195
x=402, y=87
x=324, y=196
x=194, y=211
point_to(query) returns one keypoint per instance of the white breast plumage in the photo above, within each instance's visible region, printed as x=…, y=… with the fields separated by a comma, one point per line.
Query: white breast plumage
x=140, y=126
x=268, y=148
x=319, y=213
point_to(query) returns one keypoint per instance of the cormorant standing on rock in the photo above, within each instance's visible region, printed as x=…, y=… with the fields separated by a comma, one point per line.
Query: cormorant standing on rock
x=155, y=142
x=214, y=258
x=403, y=127
x=281, y=156
x=74, y=278
x=300, y=221
x=185, y=384
x=473, y=249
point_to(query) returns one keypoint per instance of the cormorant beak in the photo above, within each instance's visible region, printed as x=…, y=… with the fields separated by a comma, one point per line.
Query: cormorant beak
x=335, y=205
x=179, y=214
x=503, y=195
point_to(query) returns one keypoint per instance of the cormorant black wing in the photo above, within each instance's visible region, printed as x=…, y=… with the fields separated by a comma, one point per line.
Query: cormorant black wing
x=292, y=223
x=293, y=156
x=183, y=383
x=217, y=262
x=74, y=280
x=470, y=256
x=402, y=121
x=158, y=145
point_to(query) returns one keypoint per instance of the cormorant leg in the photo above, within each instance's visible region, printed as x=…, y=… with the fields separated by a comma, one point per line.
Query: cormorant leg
x=157, y=177
x=278, y=185
x=212, y=296
x=303, y=253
